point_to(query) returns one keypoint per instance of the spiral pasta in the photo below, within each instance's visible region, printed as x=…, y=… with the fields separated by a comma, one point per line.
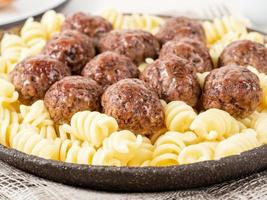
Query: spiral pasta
x=118, y=149
x=93, y=127
x=7, y=92
x=237, y=144
x=52, y=22
x=248, y=121
x=259, y=124
x=197, y=153
x=37, y=116
x=216, y=29
x=215, y=124
x=263, y=84
x=179, y=116
x=11, y=48
x=201, y=78
x=143, y=154
x=145, y=22
x=167, y=149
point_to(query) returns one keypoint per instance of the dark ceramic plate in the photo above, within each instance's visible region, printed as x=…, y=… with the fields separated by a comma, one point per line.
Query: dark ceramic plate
x=137, y=179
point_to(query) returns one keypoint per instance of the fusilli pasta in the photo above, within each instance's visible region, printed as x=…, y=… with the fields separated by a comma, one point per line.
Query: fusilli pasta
x=263, y=83
x=167, y=149
x=7, y=92
x=149, y=23
x=201, y=78
x=216, y=29
x=179, y=116
x=215, y=124
x=52, y=22
x=259, y=124
x=143, y=66
x=197, y=153
x=118, y=149
x=237, y=144
x=93, y=127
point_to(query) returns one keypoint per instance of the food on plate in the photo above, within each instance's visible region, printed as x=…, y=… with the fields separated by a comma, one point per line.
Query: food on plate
x=70, y=95
x=135, y=44
x=72, y=48
x=173, y=79
x=92, y=26
x=110, y=67
x=75, y=104
x=177, y=28
x=192, y=50
x=245, y=53
x=134, y=106
x=33, y=76
x=234, y=89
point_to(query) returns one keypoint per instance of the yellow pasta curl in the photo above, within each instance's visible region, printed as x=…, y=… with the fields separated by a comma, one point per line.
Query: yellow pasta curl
x=237, y=144
x=7, y=92
x=93, y=127
x=216, y=29
x=118, y=149
x=145, y=22
x=259, y=124
x=179, y=116
x=197, y=153
x=52, y=22
x=201, y=78
x=215, y=124
x=263, y=84
x=167, y=149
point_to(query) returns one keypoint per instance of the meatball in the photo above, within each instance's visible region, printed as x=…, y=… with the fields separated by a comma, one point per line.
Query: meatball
x=234, y=89
x=134, y=106
x=70, y=95
x=245, y=52
x=33, y=76
x=173, y=78
x=109, y=67
x=92, y=26
x=192, y=50
x=71, y=47
x=181, y=27
x=135, y=44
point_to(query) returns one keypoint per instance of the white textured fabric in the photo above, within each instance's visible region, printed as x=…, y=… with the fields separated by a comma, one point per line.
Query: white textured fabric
x=17, y=185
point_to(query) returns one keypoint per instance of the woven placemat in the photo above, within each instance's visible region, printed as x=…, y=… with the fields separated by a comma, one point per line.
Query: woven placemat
x=18, y=185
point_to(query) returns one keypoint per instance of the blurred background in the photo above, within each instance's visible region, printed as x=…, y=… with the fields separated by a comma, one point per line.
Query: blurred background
x=12, y=11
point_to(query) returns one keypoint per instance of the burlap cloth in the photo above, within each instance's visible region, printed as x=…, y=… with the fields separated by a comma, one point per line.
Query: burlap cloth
x=18, y=185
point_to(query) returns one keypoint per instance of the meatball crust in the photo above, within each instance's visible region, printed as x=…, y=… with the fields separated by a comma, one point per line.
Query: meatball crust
x=173, y=78
x=233, y=89
x=33, y=76
x=92, y=26
x=181, y=27
x=110, y=67
x=70, y=95
x=135, y=44
x=134, y=106
x=192, y=50
x=72, y=48
x=245, y=52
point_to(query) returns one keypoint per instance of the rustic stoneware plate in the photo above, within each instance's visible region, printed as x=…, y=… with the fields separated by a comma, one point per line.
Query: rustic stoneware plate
x=140, y=179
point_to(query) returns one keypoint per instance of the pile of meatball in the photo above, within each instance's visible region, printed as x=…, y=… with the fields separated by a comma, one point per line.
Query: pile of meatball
x=90, y=66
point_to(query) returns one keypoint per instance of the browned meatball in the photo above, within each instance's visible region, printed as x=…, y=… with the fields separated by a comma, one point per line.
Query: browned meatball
x=71, y=47
x=70, y=95
x=135, y=44
x=33, y=77
x=234, y=89
x=245, y=52
x=173, y=78
x=181, y=27
x=110, y=67
x=135, y=107
x=93, y=26
x=192, y=50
